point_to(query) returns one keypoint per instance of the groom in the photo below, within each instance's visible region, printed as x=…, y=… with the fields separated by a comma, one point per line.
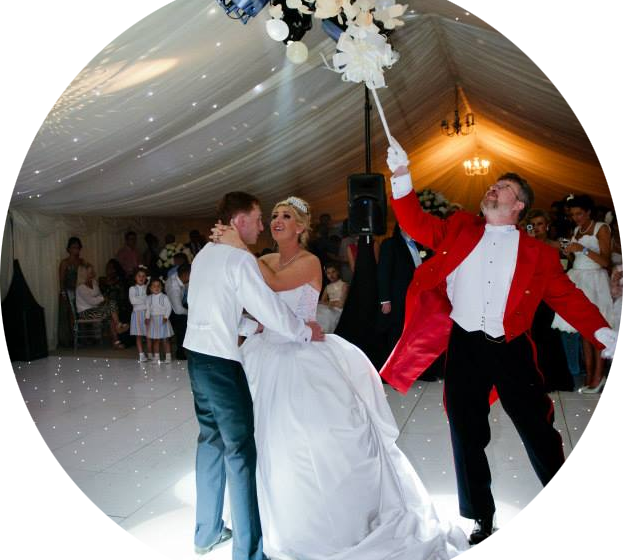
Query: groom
x=223, y=281
x=476, y=299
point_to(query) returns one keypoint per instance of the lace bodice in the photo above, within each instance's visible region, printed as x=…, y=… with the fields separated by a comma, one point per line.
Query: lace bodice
x=582, y=261
x=302, y=301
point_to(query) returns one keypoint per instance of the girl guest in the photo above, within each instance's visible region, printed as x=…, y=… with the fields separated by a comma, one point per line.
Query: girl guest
x=157, y=316
x=91, y=304
x=589, y=248
x=332, y=300
x=67, y=275
x=138, y=299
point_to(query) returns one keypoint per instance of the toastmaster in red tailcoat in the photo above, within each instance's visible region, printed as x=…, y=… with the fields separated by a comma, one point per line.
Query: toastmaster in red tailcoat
x=476, y=298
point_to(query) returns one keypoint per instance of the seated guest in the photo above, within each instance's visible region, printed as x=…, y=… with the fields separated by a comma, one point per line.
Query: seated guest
x=332, y=301
x=114, y=287
x=91, y=304
x=175, y=288
x=129, y=256
x=152, y=254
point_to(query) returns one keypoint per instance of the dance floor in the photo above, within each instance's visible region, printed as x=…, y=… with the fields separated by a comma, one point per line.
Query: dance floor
x=126, y=432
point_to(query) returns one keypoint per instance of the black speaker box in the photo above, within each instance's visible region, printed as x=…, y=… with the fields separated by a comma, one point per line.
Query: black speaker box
x=367, y=204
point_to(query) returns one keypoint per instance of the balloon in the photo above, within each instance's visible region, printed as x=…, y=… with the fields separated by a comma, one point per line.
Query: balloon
x=277, y=29
x=297, y=52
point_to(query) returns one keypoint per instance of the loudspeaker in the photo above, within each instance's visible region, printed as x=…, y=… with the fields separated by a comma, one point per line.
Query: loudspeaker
x=367, y=204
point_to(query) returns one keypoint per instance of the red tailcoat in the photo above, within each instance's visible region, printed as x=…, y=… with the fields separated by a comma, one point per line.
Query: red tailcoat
x=538, y=276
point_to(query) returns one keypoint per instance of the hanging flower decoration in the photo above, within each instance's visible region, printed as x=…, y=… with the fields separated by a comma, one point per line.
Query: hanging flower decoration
x=433, y=202
x=360, y=28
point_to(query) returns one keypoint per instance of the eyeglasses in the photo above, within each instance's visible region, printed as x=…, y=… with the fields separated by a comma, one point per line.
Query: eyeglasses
x=501, y=187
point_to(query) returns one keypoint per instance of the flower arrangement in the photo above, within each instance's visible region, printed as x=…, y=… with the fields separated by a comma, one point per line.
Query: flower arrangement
x=433, y=202
x=165, y=260
x=360, y=28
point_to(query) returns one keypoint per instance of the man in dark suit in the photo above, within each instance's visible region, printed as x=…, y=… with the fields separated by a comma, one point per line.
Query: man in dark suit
x=397, y=263
x=476, y=298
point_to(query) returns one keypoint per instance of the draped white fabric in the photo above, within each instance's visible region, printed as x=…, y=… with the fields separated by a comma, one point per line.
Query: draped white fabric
x=188, y=104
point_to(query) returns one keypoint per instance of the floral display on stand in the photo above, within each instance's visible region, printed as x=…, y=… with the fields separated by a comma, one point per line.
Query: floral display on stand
x=433, y=202
x=165, y=260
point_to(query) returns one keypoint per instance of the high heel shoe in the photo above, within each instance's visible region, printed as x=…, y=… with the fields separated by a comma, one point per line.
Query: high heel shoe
x=594, y=390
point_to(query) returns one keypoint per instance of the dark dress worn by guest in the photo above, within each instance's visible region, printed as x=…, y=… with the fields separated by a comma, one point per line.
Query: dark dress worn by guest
x=114, y=288
x=358, y=321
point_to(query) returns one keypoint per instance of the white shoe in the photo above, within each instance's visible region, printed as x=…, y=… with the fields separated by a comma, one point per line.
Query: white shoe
x=594, y=390
x=142, y=358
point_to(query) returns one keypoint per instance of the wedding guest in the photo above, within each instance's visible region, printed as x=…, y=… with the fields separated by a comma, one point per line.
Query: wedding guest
x=157, y=313
x=178, y=260
x=589, y=250
x=196, y=242
x=333, y=298
x=128, y=255
x=551, y=355
x=114, y=287
x=399, y=256
x=67, y=275
x=175, y=288
x=616, y=291
x=152, y=254
x=138, y=326
x=91, y=304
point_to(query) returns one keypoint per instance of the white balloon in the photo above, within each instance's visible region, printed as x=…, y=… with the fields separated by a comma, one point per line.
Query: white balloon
x=277, y=29
x=297, y=52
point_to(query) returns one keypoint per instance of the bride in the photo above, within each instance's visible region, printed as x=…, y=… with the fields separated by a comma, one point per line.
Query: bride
x=332, y=484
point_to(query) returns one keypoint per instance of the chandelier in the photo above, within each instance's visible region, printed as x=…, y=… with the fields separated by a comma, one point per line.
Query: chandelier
x=476, y=166
x=458, y=127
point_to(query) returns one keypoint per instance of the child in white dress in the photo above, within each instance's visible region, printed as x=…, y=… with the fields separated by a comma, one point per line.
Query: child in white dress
x=332, y=301
x=138, y=299
x=157, y=316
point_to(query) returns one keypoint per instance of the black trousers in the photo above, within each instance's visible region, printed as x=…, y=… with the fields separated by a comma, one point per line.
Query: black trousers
x=178, y=322
x=474, y=364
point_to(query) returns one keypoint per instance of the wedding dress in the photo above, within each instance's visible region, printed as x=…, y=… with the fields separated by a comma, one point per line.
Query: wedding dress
x=332, y=484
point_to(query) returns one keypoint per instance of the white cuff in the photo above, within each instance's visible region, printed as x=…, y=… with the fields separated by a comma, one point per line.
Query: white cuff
x=307, y=335
x=401, y=185
x=247, y=327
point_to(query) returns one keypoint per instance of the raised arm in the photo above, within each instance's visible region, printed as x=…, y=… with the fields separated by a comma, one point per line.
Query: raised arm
x=425, y=228
x=307, y=270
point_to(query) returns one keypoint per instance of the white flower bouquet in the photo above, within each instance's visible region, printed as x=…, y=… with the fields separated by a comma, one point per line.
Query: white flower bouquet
x=170, y=250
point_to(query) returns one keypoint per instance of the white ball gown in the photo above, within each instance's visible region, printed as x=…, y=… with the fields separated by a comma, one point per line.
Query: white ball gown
x=332, y=484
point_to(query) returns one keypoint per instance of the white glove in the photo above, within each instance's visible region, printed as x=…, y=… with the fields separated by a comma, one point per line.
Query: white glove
x=396, y=156
x=608, y=338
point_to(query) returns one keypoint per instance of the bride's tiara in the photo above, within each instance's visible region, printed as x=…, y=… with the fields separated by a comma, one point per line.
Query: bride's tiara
x=298, y=203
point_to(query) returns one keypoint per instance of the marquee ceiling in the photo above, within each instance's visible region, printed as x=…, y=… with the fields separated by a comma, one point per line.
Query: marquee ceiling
x=188, y=104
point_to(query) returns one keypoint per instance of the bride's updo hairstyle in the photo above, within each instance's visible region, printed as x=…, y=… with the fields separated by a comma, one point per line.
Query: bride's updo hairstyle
x=302, y=215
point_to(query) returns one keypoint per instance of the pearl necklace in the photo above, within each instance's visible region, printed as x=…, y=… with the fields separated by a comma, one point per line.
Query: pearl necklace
x=589, y=227
x=289, y=261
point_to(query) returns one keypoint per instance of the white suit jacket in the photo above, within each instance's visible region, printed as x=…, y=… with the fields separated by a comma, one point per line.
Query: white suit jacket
x=223, y=281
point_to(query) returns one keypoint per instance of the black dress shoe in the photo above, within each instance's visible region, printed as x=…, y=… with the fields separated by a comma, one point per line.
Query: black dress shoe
x=483, y=528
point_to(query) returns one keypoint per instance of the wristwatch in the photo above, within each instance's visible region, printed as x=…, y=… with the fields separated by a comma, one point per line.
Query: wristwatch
x=585, y=251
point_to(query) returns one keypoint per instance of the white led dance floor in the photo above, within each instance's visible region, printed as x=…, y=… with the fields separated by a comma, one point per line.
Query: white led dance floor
x=125, y=433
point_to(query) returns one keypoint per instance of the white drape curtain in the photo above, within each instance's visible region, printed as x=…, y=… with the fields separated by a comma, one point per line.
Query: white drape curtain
x=39, y=242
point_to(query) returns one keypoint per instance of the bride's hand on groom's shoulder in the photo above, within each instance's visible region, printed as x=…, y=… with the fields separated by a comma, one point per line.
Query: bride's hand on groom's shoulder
x=317, y=333
x=226, y=235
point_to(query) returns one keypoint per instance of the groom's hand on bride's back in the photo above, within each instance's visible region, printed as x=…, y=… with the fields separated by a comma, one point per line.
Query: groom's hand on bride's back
x=317, y=334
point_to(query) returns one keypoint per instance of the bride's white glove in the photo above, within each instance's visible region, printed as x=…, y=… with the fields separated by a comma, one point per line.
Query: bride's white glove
x=396, y=156
x=608, y=338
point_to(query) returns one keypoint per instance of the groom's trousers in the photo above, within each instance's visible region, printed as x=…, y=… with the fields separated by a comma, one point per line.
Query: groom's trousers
x=475, y=363
x=225, y=450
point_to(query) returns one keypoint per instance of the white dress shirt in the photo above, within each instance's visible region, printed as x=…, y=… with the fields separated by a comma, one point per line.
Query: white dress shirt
x=224, y=281
x=175, y=290
x=478, y=288
x=138, y=297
